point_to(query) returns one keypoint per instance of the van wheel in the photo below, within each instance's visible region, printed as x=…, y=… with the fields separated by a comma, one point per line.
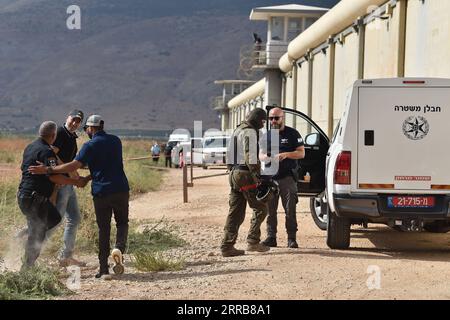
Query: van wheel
x=437, y=227
x=318, y=212
x=338, y=231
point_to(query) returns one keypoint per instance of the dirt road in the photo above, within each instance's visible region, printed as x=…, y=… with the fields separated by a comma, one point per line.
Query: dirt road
x=410, y=265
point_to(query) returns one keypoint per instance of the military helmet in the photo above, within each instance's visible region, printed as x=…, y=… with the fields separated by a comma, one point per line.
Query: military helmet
x=267, y=191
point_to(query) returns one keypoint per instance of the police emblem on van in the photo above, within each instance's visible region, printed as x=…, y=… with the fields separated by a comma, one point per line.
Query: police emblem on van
x=416, y=128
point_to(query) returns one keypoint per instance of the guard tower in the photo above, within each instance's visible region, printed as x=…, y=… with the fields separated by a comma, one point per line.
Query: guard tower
x=230, y=89
x=284, y=23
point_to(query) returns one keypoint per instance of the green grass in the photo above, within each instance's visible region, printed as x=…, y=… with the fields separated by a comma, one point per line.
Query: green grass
x=156, y=261
x=11, y=218
x=34, y=283
x=159, y=236
x=147, y=247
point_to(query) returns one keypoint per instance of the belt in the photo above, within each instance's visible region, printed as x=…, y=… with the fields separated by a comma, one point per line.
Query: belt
x=249, y=187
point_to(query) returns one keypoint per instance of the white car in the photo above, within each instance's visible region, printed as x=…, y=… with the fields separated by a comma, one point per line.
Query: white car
x=387, y=162
x=215, y=150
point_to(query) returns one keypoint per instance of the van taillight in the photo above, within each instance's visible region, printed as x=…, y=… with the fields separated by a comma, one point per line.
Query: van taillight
x=342, y=170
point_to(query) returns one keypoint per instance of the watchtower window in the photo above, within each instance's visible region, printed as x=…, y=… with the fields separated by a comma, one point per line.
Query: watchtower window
x=309, y=22
x=277, y=28
x=295, y=28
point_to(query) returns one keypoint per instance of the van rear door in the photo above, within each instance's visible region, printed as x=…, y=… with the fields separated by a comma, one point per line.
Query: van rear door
x=403, y=138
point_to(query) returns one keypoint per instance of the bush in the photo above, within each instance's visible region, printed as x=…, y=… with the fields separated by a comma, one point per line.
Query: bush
x=33, y=283
x=156, y=261
x=158, y=237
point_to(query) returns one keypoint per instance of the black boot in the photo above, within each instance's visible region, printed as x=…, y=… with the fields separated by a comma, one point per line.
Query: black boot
x=292, y=243
x=270, y=242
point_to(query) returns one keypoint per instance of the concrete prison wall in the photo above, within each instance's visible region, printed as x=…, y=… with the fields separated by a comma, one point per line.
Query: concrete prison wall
x=356, y=40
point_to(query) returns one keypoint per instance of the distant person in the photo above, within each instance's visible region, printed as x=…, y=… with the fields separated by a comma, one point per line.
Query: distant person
x=155, y=150
x=34, y=192
x=258, y=48
x=65, y=147
x=110, y=189
x=168, y=155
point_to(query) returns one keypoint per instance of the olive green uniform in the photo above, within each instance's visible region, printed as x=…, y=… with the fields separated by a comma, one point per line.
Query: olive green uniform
x=245, y=172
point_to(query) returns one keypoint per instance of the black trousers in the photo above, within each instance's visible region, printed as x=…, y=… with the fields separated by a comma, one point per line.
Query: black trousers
x=41, y=216
x=105, y=206
x=169, y=161
x=289, y=199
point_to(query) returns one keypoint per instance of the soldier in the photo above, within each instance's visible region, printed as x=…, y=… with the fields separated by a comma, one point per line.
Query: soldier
x=244, y=177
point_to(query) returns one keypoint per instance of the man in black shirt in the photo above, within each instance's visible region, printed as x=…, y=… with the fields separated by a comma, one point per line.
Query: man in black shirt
x=65, y=147
x=35, y=191
x=289, y=148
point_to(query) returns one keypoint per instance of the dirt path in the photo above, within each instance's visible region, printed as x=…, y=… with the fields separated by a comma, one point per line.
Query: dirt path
x=412, y=266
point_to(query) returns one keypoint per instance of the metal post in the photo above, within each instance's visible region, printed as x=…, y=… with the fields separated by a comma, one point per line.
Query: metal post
x=185, y=184
x=191, y=184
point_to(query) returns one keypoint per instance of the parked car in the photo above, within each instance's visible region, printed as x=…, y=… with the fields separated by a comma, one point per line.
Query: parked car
x=215, y=150
x=386, y=162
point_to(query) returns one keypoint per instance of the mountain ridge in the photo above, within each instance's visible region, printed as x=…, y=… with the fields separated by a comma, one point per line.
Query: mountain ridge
x=149, y=65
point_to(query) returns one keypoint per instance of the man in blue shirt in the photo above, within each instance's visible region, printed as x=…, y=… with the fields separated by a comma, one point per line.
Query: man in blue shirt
x=110, y=189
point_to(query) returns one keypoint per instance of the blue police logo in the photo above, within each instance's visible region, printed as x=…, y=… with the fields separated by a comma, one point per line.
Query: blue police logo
x=416, y=128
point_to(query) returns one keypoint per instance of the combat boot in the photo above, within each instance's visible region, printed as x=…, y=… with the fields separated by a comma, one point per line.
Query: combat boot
x=257, y=247
x=232, y=252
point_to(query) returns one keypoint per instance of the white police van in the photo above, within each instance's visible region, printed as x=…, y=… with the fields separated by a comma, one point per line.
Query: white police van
x=386, y=162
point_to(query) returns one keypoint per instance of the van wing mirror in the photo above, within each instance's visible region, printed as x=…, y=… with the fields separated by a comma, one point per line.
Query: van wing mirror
x=312, y=139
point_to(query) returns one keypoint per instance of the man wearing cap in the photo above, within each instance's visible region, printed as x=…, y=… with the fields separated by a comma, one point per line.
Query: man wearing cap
x=110, y=190
x=65, y=147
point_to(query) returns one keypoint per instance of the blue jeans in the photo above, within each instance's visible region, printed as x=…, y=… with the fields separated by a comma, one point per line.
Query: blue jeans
x=67, y=205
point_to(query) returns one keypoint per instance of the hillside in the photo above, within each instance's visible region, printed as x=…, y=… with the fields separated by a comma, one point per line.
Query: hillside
x=142, y=64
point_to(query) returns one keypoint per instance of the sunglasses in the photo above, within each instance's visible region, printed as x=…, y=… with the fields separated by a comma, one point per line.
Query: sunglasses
x=275, y=118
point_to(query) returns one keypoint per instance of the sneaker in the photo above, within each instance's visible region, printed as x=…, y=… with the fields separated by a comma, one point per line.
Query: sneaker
x=71, y=262
x=257, y=247
x=232, y=252
x=117, y=256
x=270, y=242
x=292, y=244
x=103, y=275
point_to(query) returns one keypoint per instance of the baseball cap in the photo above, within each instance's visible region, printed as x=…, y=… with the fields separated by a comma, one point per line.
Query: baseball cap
x=77, y=114
x=94, y=121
